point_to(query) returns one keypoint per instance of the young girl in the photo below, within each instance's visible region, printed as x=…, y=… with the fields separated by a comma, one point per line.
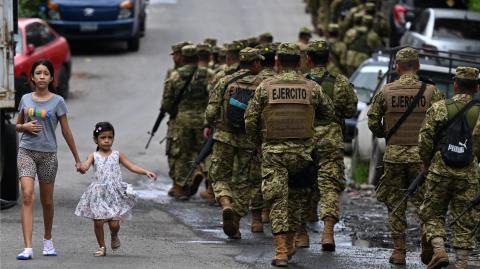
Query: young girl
x=107, y=199
x=39, y=115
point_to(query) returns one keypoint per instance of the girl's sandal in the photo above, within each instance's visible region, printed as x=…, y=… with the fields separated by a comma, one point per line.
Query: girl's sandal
x=100, y=252
x=115, y=242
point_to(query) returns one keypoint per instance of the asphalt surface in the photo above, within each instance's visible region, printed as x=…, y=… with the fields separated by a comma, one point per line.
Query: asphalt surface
x=125, y=88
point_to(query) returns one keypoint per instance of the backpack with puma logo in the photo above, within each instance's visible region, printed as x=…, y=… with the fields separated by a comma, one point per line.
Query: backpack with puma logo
x=457, y=147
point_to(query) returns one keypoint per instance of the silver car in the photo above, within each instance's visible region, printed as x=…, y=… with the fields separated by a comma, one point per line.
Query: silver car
x=448, y=30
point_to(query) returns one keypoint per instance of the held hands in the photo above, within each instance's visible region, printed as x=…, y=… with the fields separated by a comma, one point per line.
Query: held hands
x=32, y=127
x=150, y=175
x=80, y=168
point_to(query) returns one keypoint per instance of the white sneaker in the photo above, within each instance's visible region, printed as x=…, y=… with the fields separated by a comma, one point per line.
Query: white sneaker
x=26, y=254
x=48, y=249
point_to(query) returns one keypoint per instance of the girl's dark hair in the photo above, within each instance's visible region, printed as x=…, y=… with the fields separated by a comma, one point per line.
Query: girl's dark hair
x=50, y=68
x=103, y=126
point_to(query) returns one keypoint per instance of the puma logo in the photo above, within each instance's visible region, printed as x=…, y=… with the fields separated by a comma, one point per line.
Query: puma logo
x=464, y=144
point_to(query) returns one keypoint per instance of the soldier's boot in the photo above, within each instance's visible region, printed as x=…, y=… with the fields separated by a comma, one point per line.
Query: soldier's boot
x=228, y=216
x=183, y=193
x=266, y=215
x=399, y=251
x=427, y=250
x=328, y=239
x=257, y=225
x=197, y=179
x=208, y=194
x=236, y=226
x=281, y=253
x=291, y=249
x=440, y=256
x=461, y=261
x=301, y=237
x=174, y=190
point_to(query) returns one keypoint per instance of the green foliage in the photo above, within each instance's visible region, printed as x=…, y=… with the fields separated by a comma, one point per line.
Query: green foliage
x=360, y=172
x=474, y=5
x=30, y=8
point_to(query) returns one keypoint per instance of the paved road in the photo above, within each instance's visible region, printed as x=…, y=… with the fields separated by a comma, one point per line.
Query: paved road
x=125, y=89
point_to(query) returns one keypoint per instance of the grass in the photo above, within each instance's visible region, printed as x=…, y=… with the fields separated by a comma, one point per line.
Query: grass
x=360, y=172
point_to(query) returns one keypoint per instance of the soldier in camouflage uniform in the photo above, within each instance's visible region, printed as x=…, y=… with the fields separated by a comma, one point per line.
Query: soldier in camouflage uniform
x=232, y=62
x=339, y=9
x=401, y=160
x=259, y=210
x=338, y=51
x=313, y=7
x=329, y=144
x=380, y=24
x=447, y=187
x=348, y=21
x=304, y=36
x=265, y=38
x=232, y=188
x=185, y=98
x=204, y=51
x=361, y=41
x=323, y=17
x=177, y=61
x=281, y=117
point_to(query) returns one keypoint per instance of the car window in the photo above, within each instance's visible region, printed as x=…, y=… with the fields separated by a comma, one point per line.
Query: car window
x=421, y=23
x=443, y=81
x=19, y=43
x=366, y=81
x=38, y=34
x=456, y=28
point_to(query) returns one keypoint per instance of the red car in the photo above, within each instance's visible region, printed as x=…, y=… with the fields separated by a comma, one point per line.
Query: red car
x=38, y=41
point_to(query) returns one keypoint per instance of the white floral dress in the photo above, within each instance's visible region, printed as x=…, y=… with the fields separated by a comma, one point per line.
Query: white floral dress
x=106, y=197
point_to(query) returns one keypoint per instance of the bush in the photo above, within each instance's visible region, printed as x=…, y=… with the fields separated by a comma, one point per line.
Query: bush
x=31, y=8
x=360, y=172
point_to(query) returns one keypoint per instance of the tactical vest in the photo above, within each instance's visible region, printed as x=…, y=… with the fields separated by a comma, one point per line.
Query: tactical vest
x=359, y=44
x=196, y=93
x=289, y=112
x=397, y=100
x=327, y=81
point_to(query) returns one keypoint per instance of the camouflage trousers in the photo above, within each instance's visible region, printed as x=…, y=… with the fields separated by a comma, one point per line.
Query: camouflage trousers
x=183, y=145
x=257, y=201
x=232, y=175
x=442, y=192
x=286, y=204
x=396, y=178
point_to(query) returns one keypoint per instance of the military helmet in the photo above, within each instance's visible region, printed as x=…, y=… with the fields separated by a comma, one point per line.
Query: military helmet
x=178, y=47
x=465, y=72
x=189, y=50
x=250, y=54
x=267, y=48
x=204, y=47
x=318, y=46
x=288, y=49
x=406, y=54
x=305, y=31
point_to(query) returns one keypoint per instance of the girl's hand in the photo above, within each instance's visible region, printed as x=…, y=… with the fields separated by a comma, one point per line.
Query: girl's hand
x=32, y=127
x=80, y=167
x=151, y=175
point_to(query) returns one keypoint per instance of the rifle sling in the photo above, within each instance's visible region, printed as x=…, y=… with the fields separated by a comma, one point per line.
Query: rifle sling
x=407, y=113
x=235, y=79
x=320, y=80
x=177, y=100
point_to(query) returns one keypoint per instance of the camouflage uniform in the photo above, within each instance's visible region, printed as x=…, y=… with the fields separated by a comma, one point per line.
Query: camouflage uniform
x=338, y=51
x=339, y=8
x=449, y=188
x=265, y=38
x=232, y=147
x=401, y=162
x=185, y=131
x=323, y=17
x=283, y=157
x=312, y=7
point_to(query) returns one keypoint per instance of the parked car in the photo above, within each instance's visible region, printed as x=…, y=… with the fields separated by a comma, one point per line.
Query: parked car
x=37, y=40
x=364, y=80
x=109, y=20
x=367, y=147
x=445, y=30
x=404, y=12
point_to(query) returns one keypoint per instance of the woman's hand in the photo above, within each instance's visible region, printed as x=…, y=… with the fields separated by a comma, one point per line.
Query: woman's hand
x=80, y=168
x=32, y=127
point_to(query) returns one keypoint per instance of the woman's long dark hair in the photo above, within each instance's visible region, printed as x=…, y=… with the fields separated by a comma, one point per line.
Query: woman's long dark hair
x=50, y=68
x=103, y=126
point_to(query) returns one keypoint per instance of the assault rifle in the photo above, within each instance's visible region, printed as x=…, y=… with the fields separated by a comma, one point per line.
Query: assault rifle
x=470, y=206
x=204, y=152
x=419, y=180
x=160, y=117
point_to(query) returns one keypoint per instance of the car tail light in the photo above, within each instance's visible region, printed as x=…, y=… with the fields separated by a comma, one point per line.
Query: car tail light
x=429, y=48
x=399, y=14
x=52, y=5
x=126, y=4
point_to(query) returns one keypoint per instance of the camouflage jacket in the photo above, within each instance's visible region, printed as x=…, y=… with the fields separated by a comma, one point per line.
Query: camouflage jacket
x=222, y=72
x=215, y=110
x=194, y=99
x=436, y=117
x=343, y=96
x=254, y=118
x=395, y=153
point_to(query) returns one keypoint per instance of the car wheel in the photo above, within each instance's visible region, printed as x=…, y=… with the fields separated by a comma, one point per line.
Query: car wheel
x=375, y=168
x=134, y=42
x=21, y=88
x=143, y=27
x=9, y=181
x=63, y=82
